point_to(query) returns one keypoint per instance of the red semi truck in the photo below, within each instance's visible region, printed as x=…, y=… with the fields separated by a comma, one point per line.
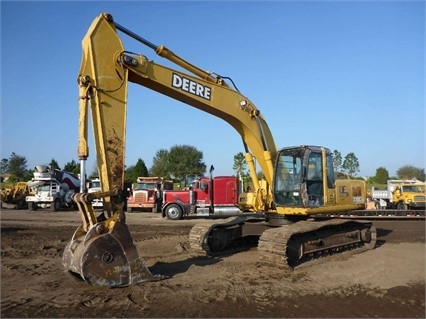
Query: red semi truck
x=216, y=196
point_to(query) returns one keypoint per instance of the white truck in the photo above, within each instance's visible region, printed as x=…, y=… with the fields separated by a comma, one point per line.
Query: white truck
x=52, y=188
x=94, y=185
x=400, y=194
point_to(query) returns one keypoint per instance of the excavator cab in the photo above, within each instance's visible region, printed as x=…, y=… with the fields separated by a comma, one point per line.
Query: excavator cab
x=305, y=183
x=302, y=176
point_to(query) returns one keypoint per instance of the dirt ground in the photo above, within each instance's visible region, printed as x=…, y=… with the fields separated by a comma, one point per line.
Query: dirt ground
x=387, y=282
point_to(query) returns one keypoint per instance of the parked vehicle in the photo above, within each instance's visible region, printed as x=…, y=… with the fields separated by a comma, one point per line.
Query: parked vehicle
x=94, y=185
x=52, y=188
x=15, y=194
x=206, y=196
x=400, y=194
x=148, y=194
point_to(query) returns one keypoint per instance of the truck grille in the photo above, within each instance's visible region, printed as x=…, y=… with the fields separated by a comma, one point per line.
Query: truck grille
x=141, y=197
x=419, y=198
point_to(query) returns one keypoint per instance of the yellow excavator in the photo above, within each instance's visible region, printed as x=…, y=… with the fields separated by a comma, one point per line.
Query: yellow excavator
x=301, y=180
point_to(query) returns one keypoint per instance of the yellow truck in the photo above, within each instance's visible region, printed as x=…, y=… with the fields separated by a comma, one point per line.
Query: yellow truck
x=400, y=194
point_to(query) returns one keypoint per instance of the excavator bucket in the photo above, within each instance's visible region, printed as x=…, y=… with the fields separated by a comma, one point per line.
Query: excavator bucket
x=105, y=257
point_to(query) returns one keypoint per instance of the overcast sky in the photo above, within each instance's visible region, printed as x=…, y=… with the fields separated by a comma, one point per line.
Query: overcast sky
x=348, y=75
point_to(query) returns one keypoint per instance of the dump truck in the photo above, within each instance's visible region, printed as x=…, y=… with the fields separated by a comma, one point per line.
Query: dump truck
x=147, y=194
x=400, y=194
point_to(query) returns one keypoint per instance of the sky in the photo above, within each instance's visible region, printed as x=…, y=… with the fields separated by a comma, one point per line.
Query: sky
x=347, y=75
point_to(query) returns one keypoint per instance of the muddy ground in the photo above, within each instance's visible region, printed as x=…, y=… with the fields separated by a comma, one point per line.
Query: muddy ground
x=387, y=282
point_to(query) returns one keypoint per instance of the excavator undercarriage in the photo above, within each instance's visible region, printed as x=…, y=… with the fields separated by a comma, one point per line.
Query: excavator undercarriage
x=290, y=246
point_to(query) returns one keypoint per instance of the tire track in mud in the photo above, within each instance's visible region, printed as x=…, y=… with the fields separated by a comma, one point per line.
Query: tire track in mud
x=222, y=283
x=159, y=247
x=10, y=304
x=246, y=291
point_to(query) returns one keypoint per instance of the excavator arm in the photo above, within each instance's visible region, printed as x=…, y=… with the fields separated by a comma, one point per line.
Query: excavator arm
x=101, y=250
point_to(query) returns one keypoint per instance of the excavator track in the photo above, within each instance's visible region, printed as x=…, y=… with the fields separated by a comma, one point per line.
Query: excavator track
x=306, y=242
x=289, y=246
x=221, y=237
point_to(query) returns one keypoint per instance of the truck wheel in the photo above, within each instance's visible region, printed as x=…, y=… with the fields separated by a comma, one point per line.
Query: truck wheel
x=402, y=206
x=23, y=204
x=174, y=212
x=56, y=205
x=32, y=206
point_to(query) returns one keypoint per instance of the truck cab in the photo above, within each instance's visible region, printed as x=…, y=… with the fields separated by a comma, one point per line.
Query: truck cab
x=409, y=196
x=216, y=196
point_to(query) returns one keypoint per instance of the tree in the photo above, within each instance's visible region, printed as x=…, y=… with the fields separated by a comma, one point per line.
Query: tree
x=240, y=164
x=72, y=167
x=185, y=159
x=94, y=174
x=382, y=176
x=3, y=165
x=17, y=166
x=351, y=164
x=160, y=164
x=54, y=164
x=133, y=172
x=178, y=162
x=337, y=161
x=240, y=167
x=409, y=172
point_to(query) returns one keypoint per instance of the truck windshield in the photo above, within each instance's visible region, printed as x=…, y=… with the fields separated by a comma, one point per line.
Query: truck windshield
x=412, y=188
x=146, y=186
x=288, y=178
x=95, y=185
x=44, y=188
